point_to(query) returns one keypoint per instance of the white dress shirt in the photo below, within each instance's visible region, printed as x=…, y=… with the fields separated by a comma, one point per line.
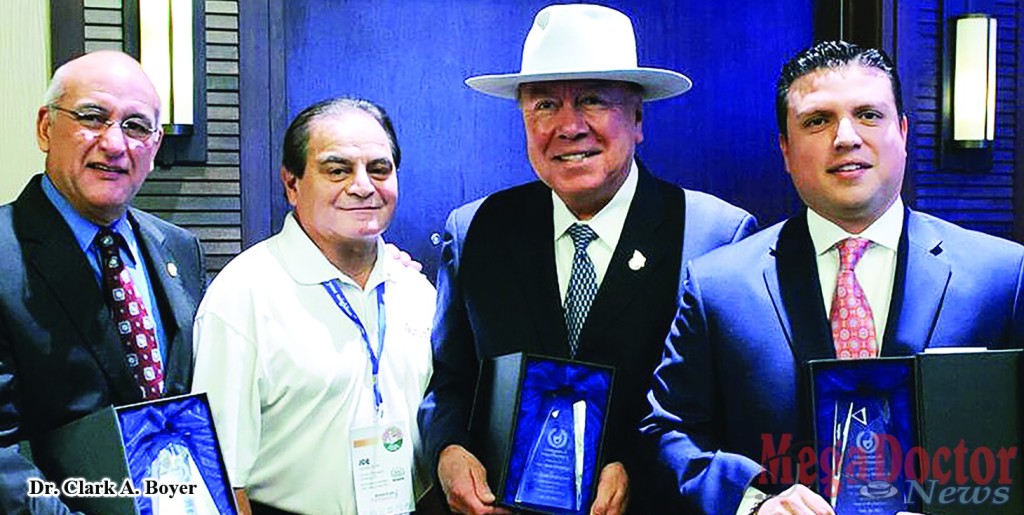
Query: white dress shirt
x=876, y=269
x=607, y=223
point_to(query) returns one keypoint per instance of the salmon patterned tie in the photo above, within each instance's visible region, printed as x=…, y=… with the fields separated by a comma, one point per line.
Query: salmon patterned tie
x=853, y=326
x=135, y=326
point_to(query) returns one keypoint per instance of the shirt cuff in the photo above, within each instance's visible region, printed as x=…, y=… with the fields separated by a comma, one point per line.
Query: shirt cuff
x=751, y=496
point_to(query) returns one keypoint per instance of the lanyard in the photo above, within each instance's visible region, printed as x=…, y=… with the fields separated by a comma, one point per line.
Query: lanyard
x=333, y=288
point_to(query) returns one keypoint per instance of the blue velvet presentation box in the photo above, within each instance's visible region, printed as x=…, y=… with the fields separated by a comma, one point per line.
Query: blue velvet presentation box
x=935, y=433
x=155, y=444
x=537, y=426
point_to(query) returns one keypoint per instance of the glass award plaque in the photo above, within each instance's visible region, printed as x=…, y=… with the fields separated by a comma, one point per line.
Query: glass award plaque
x=172, y=442
x=864, y=414
x=537, y=426
x=163, y=455
x=554, y=468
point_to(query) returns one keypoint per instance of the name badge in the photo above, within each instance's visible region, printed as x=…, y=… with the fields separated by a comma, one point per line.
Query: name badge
x=382, y=467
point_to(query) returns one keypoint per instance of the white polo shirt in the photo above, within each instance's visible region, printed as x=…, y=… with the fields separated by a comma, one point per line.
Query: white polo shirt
x=288, y=374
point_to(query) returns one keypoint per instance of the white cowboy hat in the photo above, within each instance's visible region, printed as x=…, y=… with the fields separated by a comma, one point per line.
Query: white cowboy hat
x=580, y=41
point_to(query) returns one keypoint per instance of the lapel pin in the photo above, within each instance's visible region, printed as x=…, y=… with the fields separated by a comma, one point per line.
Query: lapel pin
x=172, y=269
x=637, y=261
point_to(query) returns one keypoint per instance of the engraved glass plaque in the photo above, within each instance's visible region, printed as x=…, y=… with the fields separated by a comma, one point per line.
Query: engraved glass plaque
x=174, y=465
x=172, y=441
x=864, y=419
x=554, y=467
x=554, y=452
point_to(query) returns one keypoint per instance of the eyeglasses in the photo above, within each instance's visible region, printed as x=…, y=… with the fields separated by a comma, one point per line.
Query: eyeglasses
x=137, y=128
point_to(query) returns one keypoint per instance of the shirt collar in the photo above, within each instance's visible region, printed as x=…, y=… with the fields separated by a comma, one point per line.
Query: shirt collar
x=81, y=227
x=884, y=231
x=307, y=265
x=608, y=222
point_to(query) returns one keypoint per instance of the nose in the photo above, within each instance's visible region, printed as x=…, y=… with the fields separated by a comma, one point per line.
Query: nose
x=846, y=135
x=113, y=140
x=570, y=122
x=361, y=185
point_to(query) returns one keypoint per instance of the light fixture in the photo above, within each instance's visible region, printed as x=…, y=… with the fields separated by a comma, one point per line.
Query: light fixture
x=166, y=53
x=974, y=81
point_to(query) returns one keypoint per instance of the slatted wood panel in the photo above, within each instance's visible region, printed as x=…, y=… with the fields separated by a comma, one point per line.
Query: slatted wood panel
x=204, y=198
x=977, y=199
x=103, y=25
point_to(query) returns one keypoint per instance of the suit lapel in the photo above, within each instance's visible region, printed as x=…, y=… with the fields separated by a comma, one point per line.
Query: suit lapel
x=640, y=233
x=537, y=278
x=176, y=305
x=52, y=251
x=796, y=292
x=918, y=288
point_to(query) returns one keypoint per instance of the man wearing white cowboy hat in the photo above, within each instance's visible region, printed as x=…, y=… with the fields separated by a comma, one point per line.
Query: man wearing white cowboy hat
x=583, y=264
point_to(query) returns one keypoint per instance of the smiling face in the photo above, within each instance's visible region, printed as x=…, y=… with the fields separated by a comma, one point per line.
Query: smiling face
x=349, y=189
x=846, y=147
x=580, y=137
x=99, y=171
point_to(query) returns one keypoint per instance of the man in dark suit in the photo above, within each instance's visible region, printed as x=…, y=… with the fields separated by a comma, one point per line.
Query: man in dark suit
x=856, y=274
x=62, y=350
x=510, y=262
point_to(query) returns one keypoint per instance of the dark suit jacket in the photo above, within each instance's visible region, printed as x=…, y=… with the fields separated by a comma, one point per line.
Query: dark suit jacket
x=498, y=294
x=60, y=357
x=752, y=316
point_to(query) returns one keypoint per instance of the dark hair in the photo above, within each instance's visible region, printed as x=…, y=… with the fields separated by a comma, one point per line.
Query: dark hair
x=296, y=138
x=832, y=54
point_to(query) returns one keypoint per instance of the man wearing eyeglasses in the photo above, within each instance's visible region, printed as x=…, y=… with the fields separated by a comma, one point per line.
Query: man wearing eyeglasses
x=97, y=298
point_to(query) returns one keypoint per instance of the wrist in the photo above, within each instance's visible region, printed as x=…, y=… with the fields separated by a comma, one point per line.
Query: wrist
x=757, y=506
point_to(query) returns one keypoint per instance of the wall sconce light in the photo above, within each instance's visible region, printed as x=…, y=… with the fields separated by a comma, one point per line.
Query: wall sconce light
x=974, y=81
x=166, y=48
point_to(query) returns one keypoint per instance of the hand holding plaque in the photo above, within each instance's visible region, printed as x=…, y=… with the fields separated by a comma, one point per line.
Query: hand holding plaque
x=545, y=457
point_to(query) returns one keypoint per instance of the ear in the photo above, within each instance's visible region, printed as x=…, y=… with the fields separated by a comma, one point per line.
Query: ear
x=903, y=130
x=784, y=147
x=639, y=129
x=291, y=186
x=43, y=129
x=159, y=139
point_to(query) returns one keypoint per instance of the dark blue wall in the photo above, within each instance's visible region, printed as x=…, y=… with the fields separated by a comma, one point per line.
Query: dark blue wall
x=411, y=56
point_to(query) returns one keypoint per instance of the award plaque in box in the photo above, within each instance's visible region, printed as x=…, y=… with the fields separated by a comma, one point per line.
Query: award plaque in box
x=935, y=433
x=969, y=406
x=537, y=427
x=158, y=445
x=864, y=415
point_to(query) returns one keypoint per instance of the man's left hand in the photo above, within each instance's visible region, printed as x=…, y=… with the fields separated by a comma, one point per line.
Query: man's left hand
x=612, y=491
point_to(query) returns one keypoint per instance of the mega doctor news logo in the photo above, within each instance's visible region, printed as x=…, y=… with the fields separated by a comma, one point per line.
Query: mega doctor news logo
x=878, y=467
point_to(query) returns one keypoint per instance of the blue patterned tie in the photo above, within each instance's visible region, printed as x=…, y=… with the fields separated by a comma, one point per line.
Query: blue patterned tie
x=582, y=285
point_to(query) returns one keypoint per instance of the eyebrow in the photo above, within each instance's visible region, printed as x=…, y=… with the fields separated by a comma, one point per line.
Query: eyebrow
x=827, y=111
x=812, y=112
x=583, y=87
x=92, y=105
x=129, y=115
x=336, y=159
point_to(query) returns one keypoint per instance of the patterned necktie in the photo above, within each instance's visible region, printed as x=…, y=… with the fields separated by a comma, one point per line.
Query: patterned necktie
x=582, y=285
x=853, y=327
x=135, y=327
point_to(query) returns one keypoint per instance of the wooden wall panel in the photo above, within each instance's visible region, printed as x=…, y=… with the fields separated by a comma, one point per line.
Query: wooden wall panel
x=976, y=198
